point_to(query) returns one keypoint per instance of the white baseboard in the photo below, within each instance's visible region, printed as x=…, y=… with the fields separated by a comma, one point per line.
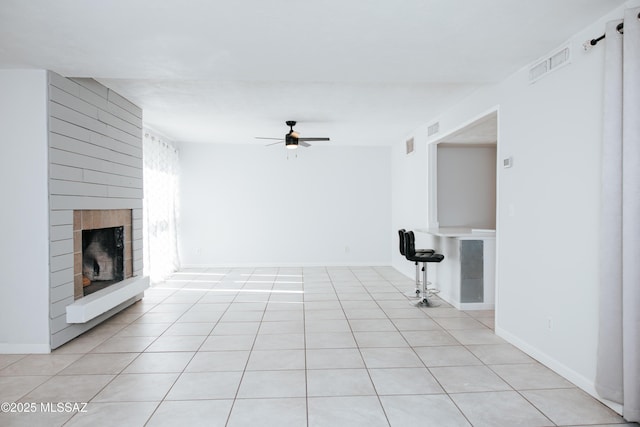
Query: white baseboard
x=470, y=306
x=287, y=265
x=9, y=348
x=561, y=369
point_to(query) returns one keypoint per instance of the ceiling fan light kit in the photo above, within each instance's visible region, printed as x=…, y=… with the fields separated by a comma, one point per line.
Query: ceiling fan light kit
x=290, y=142
x=292, y=139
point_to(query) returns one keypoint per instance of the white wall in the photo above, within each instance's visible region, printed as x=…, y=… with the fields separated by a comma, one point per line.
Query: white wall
x=24, y=255
x=548, y=205
x=410, y=202
x=249, y=205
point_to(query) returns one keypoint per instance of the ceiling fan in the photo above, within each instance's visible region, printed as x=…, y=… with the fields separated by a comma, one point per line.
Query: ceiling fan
x=292, y=139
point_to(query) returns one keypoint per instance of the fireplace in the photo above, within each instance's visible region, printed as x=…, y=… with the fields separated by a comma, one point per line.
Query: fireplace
x=102, y=249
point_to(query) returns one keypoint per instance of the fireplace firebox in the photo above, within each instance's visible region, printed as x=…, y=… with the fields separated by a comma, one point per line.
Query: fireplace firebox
x=102, y=249
x=102, y=258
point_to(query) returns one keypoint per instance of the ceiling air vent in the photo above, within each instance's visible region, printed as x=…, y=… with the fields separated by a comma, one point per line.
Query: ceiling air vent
x=409, y=145
x=433, y=129
x=550, y=63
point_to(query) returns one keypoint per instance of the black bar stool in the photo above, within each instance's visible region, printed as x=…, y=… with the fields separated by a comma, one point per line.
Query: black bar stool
x=424, y=258
x=401, y=234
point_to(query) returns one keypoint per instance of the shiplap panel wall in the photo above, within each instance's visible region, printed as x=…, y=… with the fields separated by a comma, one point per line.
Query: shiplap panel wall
x=95, y=162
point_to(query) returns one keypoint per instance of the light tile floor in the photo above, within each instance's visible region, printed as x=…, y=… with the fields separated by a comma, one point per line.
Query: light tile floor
x=293, y=347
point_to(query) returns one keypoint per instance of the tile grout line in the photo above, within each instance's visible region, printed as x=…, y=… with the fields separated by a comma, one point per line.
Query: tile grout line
x=125, y=367
x=190, y=360
x=384, y=411
x=244, y=371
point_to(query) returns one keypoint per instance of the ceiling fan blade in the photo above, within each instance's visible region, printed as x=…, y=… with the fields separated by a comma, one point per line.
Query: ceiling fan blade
x=264, y=137
x=313, y=139
x=303, y=144
x=274, y=143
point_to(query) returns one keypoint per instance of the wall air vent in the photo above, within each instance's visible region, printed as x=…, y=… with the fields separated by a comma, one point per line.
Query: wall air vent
x=409, y=145
x=549, y=63
x=433, y=129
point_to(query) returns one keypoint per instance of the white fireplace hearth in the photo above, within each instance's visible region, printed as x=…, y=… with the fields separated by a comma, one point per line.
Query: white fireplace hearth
x=93, y=305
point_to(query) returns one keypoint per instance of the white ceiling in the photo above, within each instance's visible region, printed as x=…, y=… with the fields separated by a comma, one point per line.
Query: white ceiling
x=359, y=71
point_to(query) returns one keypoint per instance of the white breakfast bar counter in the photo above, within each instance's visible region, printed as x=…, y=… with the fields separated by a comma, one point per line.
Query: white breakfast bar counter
x=466, y=276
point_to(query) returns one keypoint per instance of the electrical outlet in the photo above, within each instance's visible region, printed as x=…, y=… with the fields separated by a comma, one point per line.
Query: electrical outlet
x=347, y=249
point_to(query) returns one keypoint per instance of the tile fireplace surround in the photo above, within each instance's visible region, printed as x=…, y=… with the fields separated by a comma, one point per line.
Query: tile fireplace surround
x=88, y=310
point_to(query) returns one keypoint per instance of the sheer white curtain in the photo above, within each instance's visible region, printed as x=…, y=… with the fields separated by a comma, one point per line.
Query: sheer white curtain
x=618, y=369
x=161, y=173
